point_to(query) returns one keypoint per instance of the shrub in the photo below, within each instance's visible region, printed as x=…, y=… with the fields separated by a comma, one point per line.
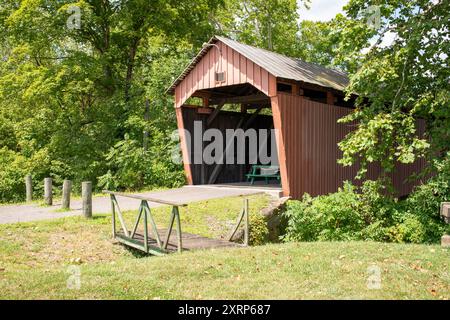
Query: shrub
x=378, y=210
x=132, y=168
x=330, y=217
x=259, y=233
x=12, y=187
x=369, y=213
x=14, y=169
x=410, y=229
x=127, y=164
x=421, y=221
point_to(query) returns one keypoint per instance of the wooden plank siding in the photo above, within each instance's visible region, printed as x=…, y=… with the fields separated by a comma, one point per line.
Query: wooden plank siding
x=184, y=146
x=308, y=134
x=238, y=70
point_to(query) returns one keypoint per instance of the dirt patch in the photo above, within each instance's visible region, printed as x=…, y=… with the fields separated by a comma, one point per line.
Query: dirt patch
x=89, y=244
x=85, y=246
x=219, y=228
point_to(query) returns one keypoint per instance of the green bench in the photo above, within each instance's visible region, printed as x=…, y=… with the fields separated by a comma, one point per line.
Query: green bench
x=265, y=172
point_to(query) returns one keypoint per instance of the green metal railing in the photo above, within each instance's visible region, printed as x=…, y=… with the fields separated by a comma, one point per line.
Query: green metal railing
x=157, y=245
x=145, y=214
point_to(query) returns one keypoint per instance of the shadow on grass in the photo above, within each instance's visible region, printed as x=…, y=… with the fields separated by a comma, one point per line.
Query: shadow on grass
x=136, y=253
x=100, y=217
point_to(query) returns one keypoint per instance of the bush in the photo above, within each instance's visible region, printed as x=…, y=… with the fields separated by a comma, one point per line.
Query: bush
x=127, y=166
x=369, y=213
x=132, y=168
x=421, y=222
x=331, y=217
x=12, y=186
x=14, y=169
x=259, y=233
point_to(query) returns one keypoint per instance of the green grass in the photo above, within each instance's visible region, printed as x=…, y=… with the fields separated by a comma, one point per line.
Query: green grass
x=35, y=260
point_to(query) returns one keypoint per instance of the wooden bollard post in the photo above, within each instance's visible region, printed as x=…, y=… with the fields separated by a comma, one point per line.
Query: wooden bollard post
x=29, y=188
x=247, y=223
x=48, y=194
x=445, y=211
x=445, y=241
x=67, y=188
x=86, y=194
x=445, y=214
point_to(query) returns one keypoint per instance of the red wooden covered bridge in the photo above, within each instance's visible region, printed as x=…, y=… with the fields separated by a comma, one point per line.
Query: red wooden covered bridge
x=230, y=85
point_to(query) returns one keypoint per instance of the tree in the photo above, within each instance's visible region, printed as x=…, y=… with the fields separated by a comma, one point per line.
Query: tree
x=276, y=26
x=69, y=92
x=272, y=25
x=319, y=43
x=403, y=76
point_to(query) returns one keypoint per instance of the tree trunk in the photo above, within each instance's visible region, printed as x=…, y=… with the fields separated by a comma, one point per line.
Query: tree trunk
x=130, y=68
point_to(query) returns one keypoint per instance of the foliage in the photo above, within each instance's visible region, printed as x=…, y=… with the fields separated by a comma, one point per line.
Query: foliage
x=368, y=213
x=332, y=217
x=72, y=94
x=276, y=26
x=318, y=42
x=12, y=175
x=315, y=43
x=422, y=221
x=400, y=72
x=403, y=76
x=16, y=166
x=259, y=232
x=75, y=98
x=267, y=24
x=132, y=167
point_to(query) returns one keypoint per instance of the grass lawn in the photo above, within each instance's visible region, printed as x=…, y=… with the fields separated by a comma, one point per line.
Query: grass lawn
x=36, y=260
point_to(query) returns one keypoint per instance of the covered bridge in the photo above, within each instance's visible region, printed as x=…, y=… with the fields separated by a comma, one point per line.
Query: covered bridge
x=230, y=85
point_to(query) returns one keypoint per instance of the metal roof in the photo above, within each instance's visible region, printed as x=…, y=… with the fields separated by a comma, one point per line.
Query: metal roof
x=278, y=65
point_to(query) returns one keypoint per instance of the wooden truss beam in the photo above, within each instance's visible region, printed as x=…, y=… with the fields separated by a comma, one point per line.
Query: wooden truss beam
x=218, y=168
x=214, y=114
x=242, y=99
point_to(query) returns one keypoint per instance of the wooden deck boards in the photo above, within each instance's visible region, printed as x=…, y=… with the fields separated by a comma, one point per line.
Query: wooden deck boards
x=189, y=241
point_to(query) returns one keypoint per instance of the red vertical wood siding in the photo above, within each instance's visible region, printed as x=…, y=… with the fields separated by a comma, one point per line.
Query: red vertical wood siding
x=280, y=136
x=184, y=145
x=238, y=70
x=307, y=145
x=307, y=131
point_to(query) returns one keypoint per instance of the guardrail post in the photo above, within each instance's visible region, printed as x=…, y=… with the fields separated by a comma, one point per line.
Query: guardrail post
x=179, y=232
x=67, y=188
x=29, y=188
x=113, y=217
x=48, y=192
x=445, y=241
x=247, y=222
x=86, y=194
x=145, y=228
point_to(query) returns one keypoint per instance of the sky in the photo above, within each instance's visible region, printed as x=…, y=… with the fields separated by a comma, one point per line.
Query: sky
x=322, y=10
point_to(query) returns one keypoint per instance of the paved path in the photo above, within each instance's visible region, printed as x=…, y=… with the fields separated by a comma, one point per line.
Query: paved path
x=34, y=212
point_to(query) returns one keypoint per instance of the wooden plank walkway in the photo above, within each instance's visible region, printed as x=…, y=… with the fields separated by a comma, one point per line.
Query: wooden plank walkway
x=153, y=240
x=190, y=241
